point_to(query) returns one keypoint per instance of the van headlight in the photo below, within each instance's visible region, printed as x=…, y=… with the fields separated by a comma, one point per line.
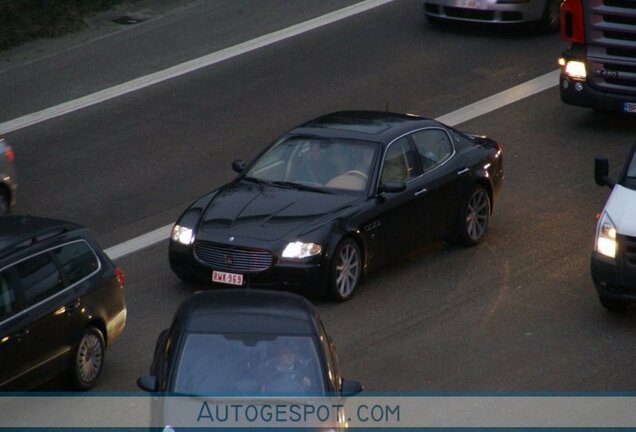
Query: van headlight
x=182, y=235
x=606, y=237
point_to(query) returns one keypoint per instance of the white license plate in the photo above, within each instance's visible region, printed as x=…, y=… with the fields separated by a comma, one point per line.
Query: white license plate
x=227, y=278
x=629, y=107
x=470, y=4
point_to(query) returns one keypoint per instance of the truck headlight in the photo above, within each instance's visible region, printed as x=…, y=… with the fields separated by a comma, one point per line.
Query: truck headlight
x=606, y=237
x=301, y=250
x=574, y=69
x=182, y=235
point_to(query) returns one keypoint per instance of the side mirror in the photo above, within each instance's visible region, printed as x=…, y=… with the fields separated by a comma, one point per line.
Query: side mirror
x=147, y=383
x=350, y=387
x=601, y=172
x=392, y=186
x=238, y=166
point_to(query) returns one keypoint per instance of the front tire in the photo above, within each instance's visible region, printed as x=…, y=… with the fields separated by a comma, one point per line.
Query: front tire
x=345, y=270
x=88, y=359
x=474, y=217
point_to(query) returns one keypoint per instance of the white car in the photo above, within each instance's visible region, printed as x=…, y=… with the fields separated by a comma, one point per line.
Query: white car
x=614, y=257
x=546, y=12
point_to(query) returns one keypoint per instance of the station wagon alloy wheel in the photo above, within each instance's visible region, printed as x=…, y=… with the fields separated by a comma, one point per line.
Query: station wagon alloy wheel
x=346, y=271
x=89, y=359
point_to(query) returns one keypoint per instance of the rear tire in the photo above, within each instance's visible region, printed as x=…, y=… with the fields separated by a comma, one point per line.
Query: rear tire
x=88, y=359
x=550, y=22
x=475, y=217
x=613, y=305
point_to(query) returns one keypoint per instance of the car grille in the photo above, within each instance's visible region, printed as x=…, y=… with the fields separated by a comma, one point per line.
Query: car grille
x=630, y=249
x=232, y=258
x=611, y=35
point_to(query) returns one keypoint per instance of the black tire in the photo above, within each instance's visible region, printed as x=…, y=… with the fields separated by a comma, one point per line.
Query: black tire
x=613, y=305
x=475, y=215
x=345, y=270
x=88, y=359
x=550, y=22
x=5, y=203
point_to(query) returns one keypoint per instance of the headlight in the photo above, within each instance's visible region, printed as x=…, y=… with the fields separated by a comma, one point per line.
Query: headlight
x=301, y=250
x=182, y=235
x=574, y=69
x=606, y=237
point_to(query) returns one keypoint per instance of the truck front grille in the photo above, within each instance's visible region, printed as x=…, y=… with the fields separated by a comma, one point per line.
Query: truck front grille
x=611, y=32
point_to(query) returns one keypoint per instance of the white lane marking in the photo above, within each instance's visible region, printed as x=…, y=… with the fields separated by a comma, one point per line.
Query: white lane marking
x=501, y=99
x=189, y=66
x=469, y=112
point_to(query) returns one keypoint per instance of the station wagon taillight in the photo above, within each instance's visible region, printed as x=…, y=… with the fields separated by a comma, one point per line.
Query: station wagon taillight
x=10, y=153
x=120, y=276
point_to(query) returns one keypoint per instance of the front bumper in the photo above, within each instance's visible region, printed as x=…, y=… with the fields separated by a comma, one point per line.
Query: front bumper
x=311, y=274
x=614, y=278
x=580, y=93
x=488, y=11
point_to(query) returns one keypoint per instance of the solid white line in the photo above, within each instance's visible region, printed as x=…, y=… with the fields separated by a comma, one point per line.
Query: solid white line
x=454, y=118
x=189, y=66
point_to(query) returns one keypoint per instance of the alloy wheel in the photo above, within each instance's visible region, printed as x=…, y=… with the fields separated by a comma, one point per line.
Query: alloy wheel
x=347, y=269
x=477, y=215
x=89, y=357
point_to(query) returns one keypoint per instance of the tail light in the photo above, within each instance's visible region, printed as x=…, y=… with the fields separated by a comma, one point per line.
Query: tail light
x=572, y=21
x=10, y=153
x=120, y=276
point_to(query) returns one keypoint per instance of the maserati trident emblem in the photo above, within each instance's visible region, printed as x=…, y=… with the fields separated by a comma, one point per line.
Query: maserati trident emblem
x=228, y=260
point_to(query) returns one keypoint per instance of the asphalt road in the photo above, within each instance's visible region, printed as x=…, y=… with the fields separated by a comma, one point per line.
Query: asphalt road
x=516, y=314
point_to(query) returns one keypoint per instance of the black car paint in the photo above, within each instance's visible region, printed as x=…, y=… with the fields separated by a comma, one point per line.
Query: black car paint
x=37, y=342
x=240, y=311
x=375, y=219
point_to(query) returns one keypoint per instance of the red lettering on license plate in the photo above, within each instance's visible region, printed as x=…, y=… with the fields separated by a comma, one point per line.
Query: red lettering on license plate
x=227, y=278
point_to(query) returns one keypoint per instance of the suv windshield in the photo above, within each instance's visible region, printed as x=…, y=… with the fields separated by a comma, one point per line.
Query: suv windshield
x=249, y=364
x=322, y=163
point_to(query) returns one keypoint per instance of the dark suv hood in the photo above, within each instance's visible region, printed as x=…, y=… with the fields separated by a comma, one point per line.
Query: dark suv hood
x=265, y=212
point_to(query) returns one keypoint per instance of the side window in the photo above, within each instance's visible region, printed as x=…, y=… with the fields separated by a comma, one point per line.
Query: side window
x=399, y=162
x=8, y=299
x=39, y=278
x=433, y=147
x=77, y=260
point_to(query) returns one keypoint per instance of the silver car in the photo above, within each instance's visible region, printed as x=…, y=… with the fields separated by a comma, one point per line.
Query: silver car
x=8, y=177
x=545, y=12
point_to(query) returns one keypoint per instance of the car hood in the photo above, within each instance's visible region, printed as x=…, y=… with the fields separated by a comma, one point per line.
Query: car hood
x=248, y=210
x=621, y=207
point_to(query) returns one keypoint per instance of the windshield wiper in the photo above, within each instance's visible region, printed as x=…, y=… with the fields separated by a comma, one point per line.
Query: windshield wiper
x=301, y=186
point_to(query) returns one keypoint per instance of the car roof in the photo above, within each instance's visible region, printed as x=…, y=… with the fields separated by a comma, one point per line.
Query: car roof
x=246, y=310
x=378, y=126
x=17, y=231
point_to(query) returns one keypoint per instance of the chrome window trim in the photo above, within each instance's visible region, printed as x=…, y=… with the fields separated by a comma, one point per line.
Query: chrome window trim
x=27, y=309
x=450, y=139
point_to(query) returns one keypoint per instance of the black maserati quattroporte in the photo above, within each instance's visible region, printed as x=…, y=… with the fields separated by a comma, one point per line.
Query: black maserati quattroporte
x=336, y=197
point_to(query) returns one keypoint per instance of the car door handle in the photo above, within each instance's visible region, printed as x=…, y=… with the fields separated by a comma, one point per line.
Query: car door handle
x=463, y=171
x=421, y=191
x=70, y=308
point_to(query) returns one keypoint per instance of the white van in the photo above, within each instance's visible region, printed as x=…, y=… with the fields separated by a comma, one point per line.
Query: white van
x=614, y=257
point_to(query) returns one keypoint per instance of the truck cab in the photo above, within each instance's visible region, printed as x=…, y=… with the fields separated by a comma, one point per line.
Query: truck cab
x=613, y=262
x=598, y=70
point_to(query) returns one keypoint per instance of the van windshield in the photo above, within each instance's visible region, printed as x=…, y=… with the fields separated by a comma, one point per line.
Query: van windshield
x=629, y=180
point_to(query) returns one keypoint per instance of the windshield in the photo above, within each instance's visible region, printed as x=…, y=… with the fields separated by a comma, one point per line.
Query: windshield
x=249, y=364
x=630, y=174
x=322, y=163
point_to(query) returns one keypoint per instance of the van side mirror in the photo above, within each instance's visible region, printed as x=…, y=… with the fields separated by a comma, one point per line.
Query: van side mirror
x=147, y=383
x=350, y=387
x=238, y=166
x=601, y=172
